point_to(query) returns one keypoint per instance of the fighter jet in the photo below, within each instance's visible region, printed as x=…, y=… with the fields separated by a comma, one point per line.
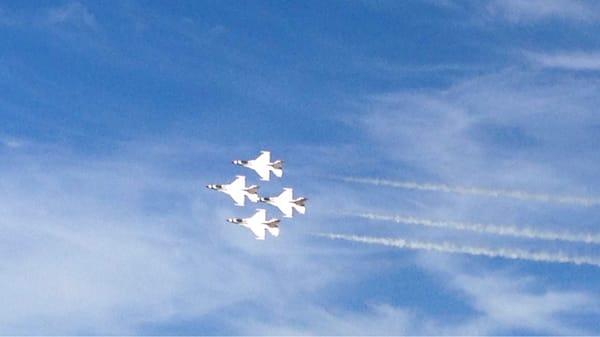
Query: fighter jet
x=258, y=224
x=237, y=190
x=286, y=203
x=263, y=165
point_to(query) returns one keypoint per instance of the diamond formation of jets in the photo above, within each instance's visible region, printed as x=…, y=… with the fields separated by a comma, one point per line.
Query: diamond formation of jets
x=238, y=191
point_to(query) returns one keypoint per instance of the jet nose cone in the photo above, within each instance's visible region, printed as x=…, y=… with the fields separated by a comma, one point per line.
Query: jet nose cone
x=230, y=220
x=263, y=199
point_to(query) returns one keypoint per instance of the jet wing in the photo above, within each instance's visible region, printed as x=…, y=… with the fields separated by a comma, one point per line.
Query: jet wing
x=258, y=231
x=259, y=217
x=237, y=196
x=239, y=183
x=286, y=195
x=262, y=171
x=285, y=208
x=264, y=158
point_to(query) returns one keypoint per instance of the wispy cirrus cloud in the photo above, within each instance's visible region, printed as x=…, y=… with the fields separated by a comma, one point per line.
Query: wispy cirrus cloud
x=492, y=293
x=114, y=243
x=11, y=142
x=577, y=60
x=515, y=12
x=377, y=319
x=72, y=13
x=518, y=130
x=128, y=240
x=524, y=12
x=128, y=234
x=496, y=130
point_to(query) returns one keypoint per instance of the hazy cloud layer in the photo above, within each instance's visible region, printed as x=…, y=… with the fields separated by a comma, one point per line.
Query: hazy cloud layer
x=534, y=11
x=582, y=61
x=106, y=227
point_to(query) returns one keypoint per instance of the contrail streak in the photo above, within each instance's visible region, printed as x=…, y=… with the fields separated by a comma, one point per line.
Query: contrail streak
x=508, y=230
x=446, y=247
x=522, y=195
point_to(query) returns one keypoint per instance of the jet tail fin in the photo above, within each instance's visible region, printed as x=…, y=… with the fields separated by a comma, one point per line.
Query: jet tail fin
x=278, y=164
x=277, y=168
x=273, y=223
x=300, y=201
x=252, y=193
x=252, y=189
x=300, y=205
x=273, y=227
x=300, y=209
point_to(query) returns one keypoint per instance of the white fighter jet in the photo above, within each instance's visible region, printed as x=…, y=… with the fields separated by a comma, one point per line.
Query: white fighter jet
x=263, y=165
x=258, y=224
x=286, y=203
x=237, y=190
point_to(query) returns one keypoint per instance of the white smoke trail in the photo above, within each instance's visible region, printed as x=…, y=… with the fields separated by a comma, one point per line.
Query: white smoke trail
x=522, y=195
x=508, y=230
x=446, y=247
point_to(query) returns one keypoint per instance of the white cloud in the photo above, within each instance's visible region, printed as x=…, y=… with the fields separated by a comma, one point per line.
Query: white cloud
x=129, y=239
x=377, y=319
x=503, y=302
x=12, y=143
x=73, y=13
x=108, y=245
x=517, y=11
x=526, y=130
x=567, y=60
x=112, y=244
x=511, y=301
x=506, y=300
x=495, y=131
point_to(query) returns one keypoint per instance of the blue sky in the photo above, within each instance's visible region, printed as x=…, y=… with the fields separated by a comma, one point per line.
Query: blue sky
x=115, y=116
